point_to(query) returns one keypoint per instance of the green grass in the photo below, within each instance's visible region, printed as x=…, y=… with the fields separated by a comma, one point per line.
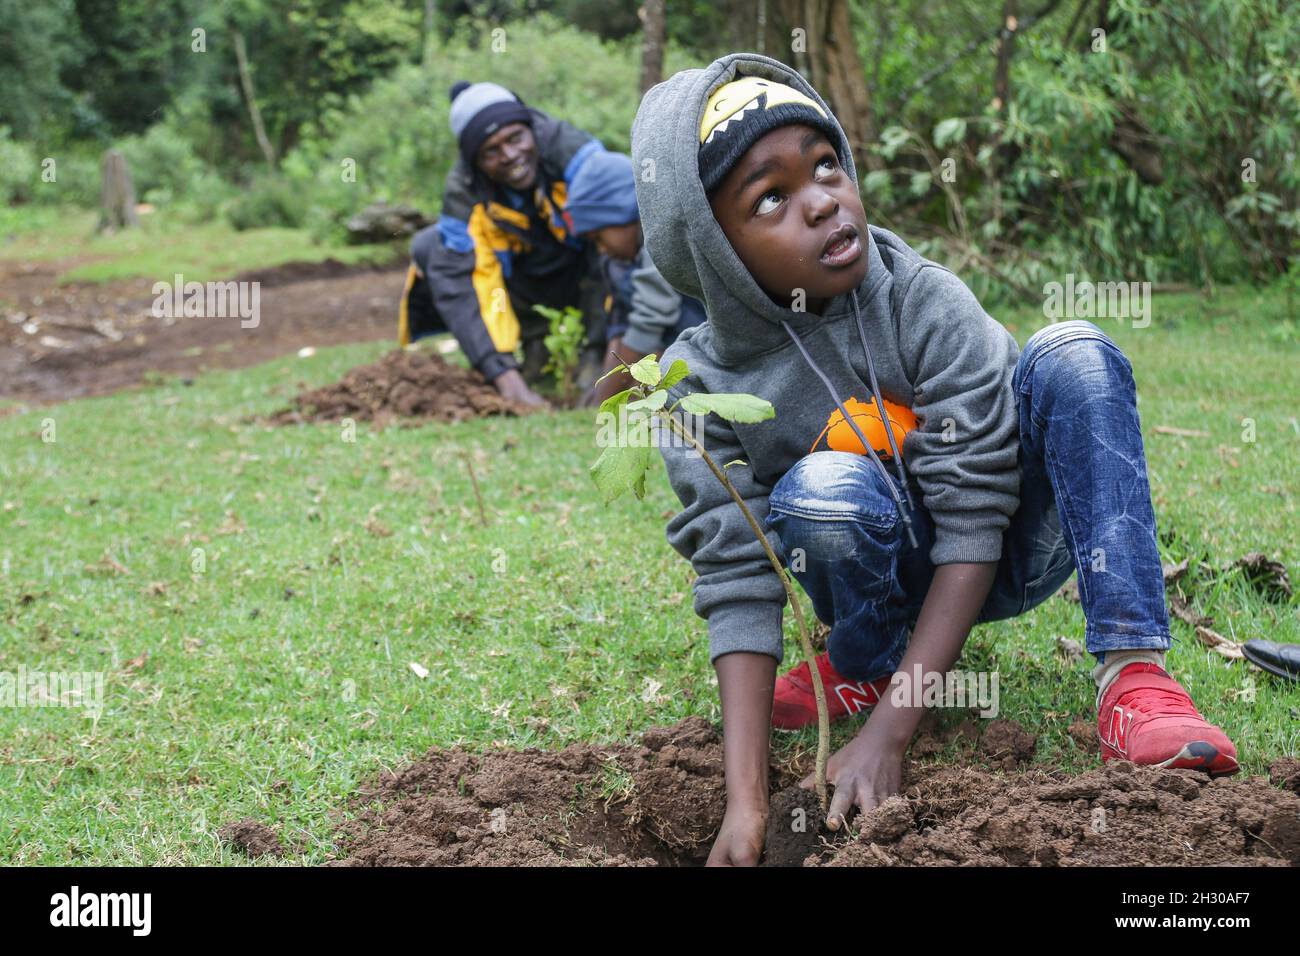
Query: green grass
x=162, y=247
x=278, y=678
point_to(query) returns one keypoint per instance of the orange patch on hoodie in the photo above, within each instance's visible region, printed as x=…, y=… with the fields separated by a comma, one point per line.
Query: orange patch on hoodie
x=840, y=436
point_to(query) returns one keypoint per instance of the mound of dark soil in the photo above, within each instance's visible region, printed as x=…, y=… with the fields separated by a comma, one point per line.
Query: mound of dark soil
x=402, y=384
x=661, y=803
x=654, y=804
x=252, y=838
x=1117, y=815
x=329, y=268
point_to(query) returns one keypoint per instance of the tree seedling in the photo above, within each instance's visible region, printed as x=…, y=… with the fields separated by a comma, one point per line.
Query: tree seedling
x=564, y=343
x=623, y=464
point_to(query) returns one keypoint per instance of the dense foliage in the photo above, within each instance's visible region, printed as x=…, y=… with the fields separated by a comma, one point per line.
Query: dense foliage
x=1116, y=138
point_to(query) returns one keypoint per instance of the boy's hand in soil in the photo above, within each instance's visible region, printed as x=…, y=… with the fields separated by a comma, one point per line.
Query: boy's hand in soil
x=511, y=385
x=740, y=841
x=868, y=770
x=745, y=683
x=864, y=773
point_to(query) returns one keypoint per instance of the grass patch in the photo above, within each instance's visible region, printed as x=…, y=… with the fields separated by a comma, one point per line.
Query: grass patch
x=276, y=584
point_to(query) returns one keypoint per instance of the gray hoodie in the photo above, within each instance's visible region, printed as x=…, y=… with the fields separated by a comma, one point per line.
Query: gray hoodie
x=912, y=326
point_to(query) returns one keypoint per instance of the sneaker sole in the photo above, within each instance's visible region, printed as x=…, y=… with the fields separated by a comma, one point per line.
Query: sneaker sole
x=1195, y=755
x=1201, y=755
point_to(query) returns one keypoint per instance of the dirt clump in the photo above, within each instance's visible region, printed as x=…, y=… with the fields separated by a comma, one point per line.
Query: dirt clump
x=656, y=803
x=403, y=384
x=251, y=838
x=661, y=802
x=1285, y=772
x=796, y=828
x=1008, y=744
x=1118, y=815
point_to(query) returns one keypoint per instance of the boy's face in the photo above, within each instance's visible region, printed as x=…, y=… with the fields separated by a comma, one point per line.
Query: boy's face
x=617, y=242
x=794, y=217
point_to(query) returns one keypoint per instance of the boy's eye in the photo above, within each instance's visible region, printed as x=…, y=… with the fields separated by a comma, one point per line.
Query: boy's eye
x=768, y=203
x=826, y=168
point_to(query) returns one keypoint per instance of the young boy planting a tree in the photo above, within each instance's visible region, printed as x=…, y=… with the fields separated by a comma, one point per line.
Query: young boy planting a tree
x=999, y=473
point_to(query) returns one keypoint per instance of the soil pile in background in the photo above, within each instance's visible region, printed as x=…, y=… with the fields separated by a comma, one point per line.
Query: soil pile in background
x=402, y=384
x=290, y=272
x=657, y=803
x=661, y=803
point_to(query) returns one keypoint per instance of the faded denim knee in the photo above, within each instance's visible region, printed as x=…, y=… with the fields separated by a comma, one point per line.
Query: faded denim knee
x=840, y=535
x=827, y=500
x=1076, y=356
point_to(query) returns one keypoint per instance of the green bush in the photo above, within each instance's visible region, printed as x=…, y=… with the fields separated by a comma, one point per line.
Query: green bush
x=397, y=132
x=270, y=200
x=19, y=170
x=162, y=164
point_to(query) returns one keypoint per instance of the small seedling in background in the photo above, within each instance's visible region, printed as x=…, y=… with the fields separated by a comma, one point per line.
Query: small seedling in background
x=564, y=343
x=622, y=467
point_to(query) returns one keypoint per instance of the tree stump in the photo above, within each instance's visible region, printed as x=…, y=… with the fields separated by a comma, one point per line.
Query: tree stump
x=116, y=195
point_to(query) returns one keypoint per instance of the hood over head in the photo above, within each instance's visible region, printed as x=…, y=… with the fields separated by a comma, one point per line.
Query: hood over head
x=684, y=240
x=690, y=249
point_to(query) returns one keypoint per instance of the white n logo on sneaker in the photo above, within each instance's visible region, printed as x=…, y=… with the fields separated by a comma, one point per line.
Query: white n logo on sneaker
x=1120, y=722
x=856, y=697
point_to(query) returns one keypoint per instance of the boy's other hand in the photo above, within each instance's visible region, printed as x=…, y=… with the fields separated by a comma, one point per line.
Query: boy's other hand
x=740, y=841
x=864, y=773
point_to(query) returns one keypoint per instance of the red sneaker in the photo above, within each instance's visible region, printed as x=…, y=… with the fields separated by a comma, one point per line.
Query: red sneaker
x=794, y=706
x=1147, y=717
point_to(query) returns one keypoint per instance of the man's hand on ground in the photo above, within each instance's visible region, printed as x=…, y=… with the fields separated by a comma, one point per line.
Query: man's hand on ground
x=740, y=841
x=512, y=386
x=864, y=773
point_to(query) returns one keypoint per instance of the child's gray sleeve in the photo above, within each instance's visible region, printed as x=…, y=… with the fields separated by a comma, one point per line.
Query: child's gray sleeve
x=965, y=451
x=656, y=307
x=736, y=590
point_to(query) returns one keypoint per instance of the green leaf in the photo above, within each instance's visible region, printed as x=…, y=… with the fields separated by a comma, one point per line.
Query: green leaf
x=733, y=406
x=948, y=131
x=612, y=403
x=614, y=371
x=622, y=468
x=646, y=370
x=652, y=402
x=676, y=372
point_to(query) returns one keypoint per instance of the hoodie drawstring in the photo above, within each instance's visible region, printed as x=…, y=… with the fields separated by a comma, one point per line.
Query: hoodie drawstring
x=884, y=418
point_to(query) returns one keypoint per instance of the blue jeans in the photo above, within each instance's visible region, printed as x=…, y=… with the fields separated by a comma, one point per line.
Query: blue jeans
x=1084, y=505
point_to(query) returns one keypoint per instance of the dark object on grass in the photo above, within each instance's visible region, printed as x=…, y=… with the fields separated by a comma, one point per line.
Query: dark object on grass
x=251, y=838
x=1280, y=659
x=1267, y=576
x=381, y=222
x=116, y=195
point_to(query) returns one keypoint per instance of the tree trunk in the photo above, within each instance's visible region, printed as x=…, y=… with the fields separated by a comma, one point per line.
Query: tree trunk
x=1006, y=154
x=430, y=22
x=829, y=59
x=117, y=194
x=246, y=81
x=845, y=83
x=652, y=44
